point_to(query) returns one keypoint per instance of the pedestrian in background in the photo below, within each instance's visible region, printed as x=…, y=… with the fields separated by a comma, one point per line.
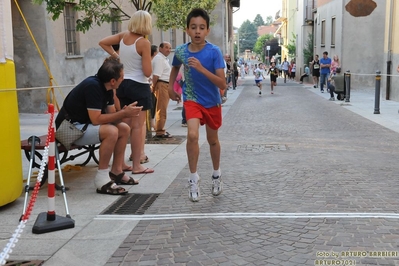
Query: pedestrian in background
x=325, y=64
x=285, y=66
x=154, y=52
x=273, y=71
x=305, y=74
x=293, y=70
x=135, y=54
x=204, y=75
x=259, y=76
x=160, y=84
x=315, y=71
x=335, y=64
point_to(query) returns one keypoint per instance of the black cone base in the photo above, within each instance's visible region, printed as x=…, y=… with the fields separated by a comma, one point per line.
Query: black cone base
x=43, y=226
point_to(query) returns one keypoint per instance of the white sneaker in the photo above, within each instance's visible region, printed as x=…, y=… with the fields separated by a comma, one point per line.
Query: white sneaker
x=193, y=190
x=217, y=186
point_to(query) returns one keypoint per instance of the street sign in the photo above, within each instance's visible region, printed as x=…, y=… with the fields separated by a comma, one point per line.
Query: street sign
x=268, y=48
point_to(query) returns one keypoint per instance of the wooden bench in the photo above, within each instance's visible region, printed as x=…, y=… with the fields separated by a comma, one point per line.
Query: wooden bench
x=88, y=150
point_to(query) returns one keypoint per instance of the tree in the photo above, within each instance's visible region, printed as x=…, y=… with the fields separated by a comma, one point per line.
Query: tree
x=308, y=49
x=269, y=20
x=93, y=12
x=248, y=35
x=258, y=21
x=260, y=45
x=291, y=47
x=172, y=14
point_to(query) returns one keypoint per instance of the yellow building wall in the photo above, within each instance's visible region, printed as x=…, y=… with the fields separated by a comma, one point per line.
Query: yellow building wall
x=395, y=26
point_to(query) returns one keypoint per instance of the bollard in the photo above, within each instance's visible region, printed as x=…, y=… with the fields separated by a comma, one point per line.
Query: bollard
x=347, y=86
x=377, y=92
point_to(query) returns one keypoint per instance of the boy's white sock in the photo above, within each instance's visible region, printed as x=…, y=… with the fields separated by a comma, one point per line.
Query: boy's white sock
x=194, y=177
x=102, y=178
x=216, y=173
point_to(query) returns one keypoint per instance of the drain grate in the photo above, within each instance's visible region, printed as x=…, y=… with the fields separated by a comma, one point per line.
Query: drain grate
x=173, y=140
x=261, y=147
x=24, y=263
x=131, y=204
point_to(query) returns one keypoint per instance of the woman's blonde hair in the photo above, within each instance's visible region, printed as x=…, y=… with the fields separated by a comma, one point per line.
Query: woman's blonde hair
x=140, y=23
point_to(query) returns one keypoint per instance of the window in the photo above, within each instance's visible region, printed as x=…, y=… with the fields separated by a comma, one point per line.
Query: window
x=172, y=33
x=323, y=32
x=70, y=30
x=115, y=25
x=333, y=32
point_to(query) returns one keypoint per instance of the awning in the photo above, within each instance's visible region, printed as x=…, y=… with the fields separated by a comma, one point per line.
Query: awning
x=279, y=28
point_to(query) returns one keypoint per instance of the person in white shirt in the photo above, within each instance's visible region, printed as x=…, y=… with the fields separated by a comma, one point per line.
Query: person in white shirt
x=259, y=77
x=160, y=84
x=284, y=67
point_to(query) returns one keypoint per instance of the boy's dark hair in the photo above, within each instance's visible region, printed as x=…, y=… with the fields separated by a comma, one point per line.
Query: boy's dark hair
x=198, y=12
x=110, y=69
x=326, y=53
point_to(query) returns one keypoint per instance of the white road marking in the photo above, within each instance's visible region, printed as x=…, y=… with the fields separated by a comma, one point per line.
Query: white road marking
x=245, y=216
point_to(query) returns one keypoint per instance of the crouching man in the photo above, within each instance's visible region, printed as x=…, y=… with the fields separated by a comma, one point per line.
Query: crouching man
x=91, y=102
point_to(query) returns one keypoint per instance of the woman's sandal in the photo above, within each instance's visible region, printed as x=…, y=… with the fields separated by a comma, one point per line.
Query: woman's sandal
x=118, y=179
x=112, y=189
x=145, y=160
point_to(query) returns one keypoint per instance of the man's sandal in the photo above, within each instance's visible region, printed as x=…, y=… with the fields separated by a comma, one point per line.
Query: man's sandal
x=118, y=179
x=112, y=189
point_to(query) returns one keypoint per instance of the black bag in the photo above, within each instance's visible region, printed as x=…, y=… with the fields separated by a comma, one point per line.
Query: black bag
x=67, y=133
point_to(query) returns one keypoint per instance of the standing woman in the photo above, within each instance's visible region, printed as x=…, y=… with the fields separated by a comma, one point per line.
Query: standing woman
x=334, y=64
x=135, y=54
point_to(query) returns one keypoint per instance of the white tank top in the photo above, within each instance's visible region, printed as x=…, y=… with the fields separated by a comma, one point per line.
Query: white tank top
x=131, y=61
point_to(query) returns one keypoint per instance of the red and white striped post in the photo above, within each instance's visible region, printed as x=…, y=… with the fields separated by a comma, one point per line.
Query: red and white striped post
x=49, y=222
x=51, y=167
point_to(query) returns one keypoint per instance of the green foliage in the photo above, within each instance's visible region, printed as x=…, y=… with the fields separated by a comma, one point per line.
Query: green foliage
x=93, y=12
x=291, y=47
x=258, y=21
x=172, y=14
x=248, y=35
x=260, y=44
x=308, y=49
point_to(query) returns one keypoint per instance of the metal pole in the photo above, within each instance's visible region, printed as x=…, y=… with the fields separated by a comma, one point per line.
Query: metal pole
x=377, y=92
x=347, y=86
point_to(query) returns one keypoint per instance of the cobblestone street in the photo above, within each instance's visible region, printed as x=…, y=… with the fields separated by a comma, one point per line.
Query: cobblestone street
x=306, y=182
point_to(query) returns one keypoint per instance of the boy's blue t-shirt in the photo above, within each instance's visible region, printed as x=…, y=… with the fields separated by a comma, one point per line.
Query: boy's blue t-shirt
x=197, y=87
x=326, y=61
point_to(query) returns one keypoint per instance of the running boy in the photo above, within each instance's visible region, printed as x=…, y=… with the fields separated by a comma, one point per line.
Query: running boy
x=273, y=71
x=204, y=75
x=259, y=77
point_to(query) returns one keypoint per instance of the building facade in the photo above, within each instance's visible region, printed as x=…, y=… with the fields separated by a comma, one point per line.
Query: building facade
x=67, y=56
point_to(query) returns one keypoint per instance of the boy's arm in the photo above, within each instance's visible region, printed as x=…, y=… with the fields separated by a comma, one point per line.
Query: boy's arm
x=217, y=78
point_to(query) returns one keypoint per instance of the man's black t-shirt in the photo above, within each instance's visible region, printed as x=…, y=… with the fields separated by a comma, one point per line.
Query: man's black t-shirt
x=89, y=94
